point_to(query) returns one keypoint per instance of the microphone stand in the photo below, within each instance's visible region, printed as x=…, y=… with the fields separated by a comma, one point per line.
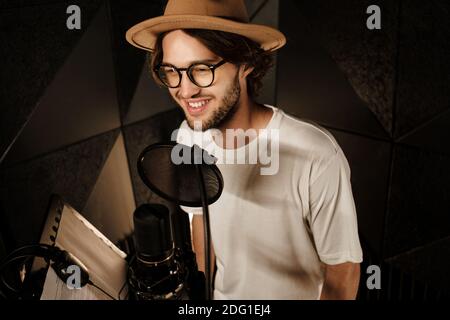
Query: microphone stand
x=206, y=229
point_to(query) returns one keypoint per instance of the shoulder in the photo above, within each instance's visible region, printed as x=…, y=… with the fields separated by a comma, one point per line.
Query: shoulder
x=313, y=142
x=308, y=135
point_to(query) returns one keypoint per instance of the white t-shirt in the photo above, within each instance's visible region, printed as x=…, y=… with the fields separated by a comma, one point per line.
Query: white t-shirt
x=271, y=232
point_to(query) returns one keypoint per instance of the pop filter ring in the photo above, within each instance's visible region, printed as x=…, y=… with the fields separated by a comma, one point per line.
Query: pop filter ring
x=165, y=196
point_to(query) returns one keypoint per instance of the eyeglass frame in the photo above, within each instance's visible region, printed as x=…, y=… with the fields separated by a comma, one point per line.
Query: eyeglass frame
x=212, y=67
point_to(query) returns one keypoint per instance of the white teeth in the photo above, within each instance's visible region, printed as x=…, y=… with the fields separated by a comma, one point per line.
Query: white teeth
x=198, y=104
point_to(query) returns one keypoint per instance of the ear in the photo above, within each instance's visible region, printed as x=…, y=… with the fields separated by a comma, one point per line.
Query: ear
x=245, y=70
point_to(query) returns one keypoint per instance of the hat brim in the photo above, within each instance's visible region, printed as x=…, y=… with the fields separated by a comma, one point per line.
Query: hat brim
x=144, y=34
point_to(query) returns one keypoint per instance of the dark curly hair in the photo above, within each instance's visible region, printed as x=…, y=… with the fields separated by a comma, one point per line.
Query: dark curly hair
x=231, y=47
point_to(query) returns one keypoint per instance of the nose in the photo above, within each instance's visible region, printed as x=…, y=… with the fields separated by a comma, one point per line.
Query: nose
x=187, y=89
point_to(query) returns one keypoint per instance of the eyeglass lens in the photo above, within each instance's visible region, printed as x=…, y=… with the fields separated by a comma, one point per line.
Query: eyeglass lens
x=200, y=74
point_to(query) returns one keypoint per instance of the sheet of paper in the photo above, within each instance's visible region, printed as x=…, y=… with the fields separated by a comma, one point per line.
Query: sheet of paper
x=105, y=262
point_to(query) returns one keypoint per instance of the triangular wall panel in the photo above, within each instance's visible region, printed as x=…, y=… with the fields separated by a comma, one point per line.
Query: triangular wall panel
x=129, y=60
x=111, y=204
x=80, y=102
x=424, y=68
x=311, y=85
x=419, y=200
x=148, y=99
x=366, y=57
x=25, y=189
x=433, y=135
x=35, y=44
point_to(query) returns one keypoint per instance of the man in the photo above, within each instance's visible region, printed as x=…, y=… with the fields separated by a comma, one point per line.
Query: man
x=289, y=234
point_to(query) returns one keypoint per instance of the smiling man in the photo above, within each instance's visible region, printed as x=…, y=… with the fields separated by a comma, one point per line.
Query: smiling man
x=291, y=234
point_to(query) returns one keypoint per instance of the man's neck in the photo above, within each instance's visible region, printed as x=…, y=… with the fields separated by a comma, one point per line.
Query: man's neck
x=248, y=115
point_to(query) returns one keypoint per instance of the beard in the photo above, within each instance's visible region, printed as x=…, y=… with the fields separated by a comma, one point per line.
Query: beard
x=226, y=110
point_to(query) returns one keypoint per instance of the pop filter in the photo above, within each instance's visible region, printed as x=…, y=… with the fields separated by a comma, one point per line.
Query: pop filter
x=185, y=176
x=168, y=170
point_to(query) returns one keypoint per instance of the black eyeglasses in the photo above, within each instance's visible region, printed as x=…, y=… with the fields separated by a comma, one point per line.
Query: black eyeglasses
x=201, y=74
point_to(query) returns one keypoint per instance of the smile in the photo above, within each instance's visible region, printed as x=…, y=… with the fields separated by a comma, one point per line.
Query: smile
x=198, y=104
x=197, y=107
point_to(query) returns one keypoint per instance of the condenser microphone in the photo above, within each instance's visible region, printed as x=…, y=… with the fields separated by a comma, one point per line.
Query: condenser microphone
x=152, y=233
x=197, y=184
x=154, y=272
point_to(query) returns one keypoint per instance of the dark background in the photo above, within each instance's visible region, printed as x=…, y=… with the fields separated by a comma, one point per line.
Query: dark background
x=77, y=107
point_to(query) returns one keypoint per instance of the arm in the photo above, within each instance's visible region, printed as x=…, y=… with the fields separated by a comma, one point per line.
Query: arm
x=341, y=281
x=198, y=243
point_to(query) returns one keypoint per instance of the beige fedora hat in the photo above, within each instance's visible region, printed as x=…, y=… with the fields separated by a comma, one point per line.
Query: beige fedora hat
x=223, y=15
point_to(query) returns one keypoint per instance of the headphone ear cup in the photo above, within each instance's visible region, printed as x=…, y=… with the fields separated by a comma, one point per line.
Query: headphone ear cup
x=59, y=260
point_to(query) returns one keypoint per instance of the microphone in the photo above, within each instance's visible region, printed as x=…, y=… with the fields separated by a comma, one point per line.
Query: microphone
x=155, y=272
x=197, y=184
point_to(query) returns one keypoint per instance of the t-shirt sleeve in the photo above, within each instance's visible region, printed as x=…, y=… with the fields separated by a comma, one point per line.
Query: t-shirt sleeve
x=332, y=218
x=192, y=210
